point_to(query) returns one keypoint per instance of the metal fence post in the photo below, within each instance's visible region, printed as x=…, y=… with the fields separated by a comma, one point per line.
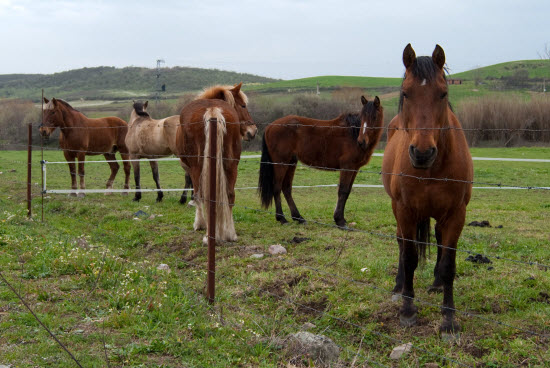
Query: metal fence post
x=211, y=280
x=29, y=172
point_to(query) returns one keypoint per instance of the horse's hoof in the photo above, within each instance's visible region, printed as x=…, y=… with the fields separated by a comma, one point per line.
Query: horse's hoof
x=136, y=199
x=282, y=220
x=301, y=221
x=449, y=327
x=182, y=200
x=435, y=289
x=407, y=321
x=192, y=203
x=159, y=199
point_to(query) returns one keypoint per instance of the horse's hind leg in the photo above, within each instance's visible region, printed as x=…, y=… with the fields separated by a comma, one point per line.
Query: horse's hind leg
x=287, y=191
x=137, y=177
x=71, y=157
x=81, y=158
x=280, y=173
x=344, y=189
x=114, y=169
x=437, y=286
x=155, y=169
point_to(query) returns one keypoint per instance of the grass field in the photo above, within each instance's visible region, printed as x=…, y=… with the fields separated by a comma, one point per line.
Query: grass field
x=89, y=271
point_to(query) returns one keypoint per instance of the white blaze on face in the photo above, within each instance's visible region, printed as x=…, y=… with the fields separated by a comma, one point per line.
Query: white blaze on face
x=423, y=82
x=364, y=127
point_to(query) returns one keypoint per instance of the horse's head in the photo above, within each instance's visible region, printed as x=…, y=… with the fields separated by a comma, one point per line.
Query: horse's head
x=139, y=109
x=372, y=120
x=423, y=104
x=52, y=117
x=248, y=127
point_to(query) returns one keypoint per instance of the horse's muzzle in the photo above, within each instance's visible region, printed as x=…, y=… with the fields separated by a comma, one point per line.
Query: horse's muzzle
x=422, y=159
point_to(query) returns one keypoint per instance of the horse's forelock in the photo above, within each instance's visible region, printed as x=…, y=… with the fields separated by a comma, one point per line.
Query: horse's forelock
x=138, y=108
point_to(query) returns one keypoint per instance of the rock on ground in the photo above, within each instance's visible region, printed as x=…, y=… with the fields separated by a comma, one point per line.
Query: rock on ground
x=277, y=249
x=400, y=350
x=319, y=348
x=163, y=267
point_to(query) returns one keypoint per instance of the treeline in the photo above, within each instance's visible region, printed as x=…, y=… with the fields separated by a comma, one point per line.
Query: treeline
x=494, y=120
x=117, y=83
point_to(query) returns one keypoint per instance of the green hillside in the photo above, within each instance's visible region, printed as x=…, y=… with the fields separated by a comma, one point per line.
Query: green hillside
x=536, y=69
x=327, y=82
x=117, y=83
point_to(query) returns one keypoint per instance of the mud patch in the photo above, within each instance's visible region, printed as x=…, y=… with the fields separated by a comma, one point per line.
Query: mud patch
x=313, y=307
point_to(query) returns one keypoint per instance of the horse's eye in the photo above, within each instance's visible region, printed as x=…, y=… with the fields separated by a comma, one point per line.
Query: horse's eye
x=405, y=95
x=443, y=95
x=243, y=106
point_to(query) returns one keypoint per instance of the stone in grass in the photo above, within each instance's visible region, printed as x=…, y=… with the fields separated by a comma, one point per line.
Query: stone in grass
x=400, y=350
x=307, y=326
x=319, y=348
x=257, y=255
x=163, y=267
x=277, y=249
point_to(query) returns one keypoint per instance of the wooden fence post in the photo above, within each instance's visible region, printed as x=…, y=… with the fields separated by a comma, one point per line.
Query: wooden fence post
x=29, y=172
x=211, y=280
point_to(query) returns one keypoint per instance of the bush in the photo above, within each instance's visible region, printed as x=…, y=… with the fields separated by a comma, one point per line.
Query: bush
x=15, y=115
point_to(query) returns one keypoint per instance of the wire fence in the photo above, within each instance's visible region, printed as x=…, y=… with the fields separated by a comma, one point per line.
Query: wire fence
x=317, y=269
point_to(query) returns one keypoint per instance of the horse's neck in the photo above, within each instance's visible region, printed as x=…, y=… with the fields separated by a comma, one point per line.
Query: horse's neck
x=73, y=118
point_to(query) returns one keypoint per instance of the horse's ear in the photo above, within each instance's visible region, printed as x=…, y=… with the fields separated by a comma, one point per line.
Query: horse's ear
x=46, y=100
x=409, y=56
x=376, y=102
x=145, y=104
x=237, y=88
x=54, y=101
x=363, y=100
x=438, y=56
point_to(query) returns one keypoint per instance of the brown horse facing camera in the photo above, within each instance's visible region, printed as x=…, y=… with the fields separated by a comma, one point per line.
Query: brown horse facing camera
x=426, y=141
x=345, y=143
x=192, y=145
x=81, y=136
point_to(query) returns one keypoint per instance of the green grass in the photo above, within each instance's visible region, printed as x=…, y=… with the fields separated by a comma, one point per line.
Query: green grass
x=149, y=318
x=327, y=82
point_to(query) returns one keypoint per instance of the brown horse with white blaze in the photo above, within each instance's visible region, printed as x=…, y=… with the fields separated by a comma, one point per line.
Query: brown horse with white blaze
x=345, y=143
x=427, y=172
x=81, y=136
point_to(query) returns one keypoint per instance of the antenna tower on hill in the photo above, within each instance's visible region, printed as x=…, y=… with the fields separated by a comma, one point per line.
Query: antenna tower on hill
x=159, y=88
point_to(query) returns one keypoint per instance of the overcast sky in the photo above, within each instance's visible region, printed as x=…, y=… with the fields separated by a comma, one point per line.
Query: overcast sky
x=275, y=38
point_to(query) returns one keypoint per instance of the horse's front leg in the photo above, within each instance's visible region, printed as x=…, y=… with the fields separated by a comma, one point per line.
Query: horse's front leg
x=137, y=178
x=344, y=189
x=188, y=185
x=155, y=170
x=287, y=191
x=71, y=157
x=81, y=158
x=450, y=231
x=408, y=261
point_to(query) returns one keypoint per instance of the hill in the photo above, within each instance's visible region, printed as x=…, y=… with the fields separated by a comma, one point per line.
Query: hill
x=536, y=69
x=117, y=83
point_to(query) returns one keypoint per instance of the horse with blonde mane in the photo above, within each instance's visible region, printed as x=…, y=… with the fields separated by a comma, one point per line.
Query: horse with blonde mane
x=228, y=106
x=81, y=136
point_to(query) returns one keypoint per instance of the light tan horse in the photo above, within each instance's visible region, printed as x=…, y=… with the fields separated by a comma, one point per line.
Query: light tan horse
x=150, y=138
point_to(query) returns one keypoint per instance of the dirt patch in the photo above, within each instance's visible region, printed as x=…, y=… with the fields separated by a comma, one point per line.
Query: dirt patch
x=541, y=298
x=313, y=307
x=475, y=351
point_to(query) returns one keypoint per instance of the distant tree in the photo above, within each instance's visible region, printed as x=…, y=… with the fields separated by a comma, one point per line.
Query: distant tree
x=545, y=54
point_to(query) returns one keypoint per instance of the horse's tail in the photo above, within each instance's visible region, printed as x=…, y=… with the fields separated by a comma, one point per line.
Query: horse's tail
x=225, y=228
x=423, y=238
x=267, y=176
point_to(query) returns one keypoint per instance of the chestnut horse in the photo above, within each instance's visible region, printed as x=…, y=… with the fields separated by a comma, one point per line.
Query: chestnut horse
x=150, y=138
x=228, y=106
x=426, y=142
x=81, y=136
x=345, y=143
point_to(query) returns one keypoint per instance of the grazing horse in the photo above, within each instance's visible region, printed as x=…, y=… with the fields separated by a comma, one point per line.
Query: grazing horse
x=228, y=106
x=81, y=136
x=345, y=143
x=150, y=138
x=427, y=171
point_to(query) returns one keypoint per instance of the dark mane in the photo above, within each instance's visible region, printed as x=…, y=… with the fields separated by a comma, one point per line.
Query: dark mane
x=422, y=68
x=353, y=120
x=138, y=107
x=66, y=104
